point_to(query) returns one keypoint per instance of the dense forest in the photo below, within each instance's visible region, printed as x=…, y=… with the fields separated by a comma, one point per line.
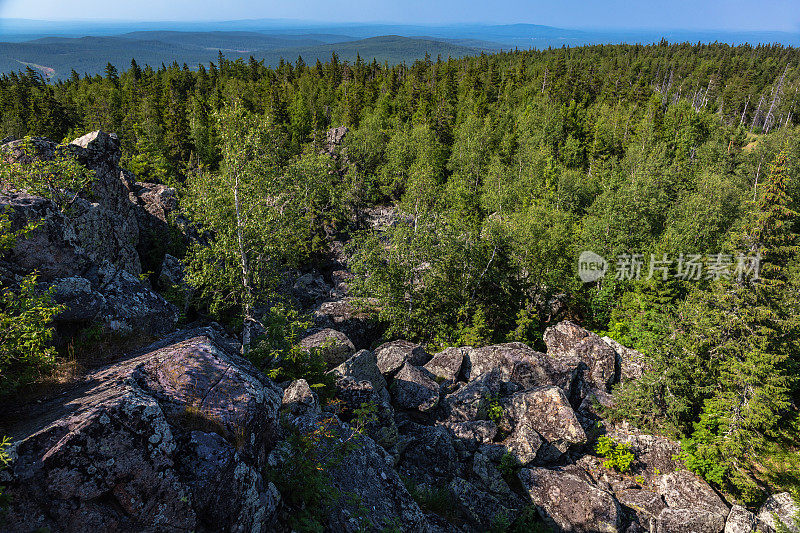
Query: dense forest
x=503, y=168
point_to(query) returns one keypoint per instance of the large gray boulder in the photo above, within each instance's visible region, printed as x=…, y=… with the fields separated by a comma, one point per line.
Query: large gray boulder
x=393, y=355
x=334, y=346
x=368, y=491
x=363, y=366
x=174, y=437
x=740, y=520
x=690, y=498
x=632, y=363
x=513, y=362
x=778, y=509
x=546, y=412
x=447, y=364
x=570, y=503
x=569, y=342
x=414, y=388
x=299, y=399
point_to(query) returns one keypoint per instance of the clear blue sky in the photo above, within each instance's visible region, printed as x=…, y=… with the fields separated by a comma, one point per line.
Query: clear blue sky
x=777, y=15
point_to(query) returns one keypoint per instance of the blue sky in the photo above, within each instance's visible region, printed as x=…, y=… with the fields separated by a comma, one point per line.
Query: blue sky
x=775, y=15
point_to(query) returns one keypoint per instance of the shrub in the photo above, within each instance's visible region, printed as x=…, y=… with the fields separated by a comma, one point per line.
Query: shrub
x=25, y=334
x=278, y=354
x=60, y=178
x=618, y=456
x=495, y=410
x=5, y=459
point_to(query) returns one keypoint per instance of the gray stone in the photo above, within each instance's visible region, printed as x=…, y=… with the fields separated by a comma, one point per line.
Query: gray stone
x=447, y=364
x=544, y=411
x=781, y=507
x=414, y=388
x=363, y=366
x=299, y=399
x=570, y=503
x=334, y=346
x=740, y=520
x=171, y=437
x=570, y=341
x=393, y=355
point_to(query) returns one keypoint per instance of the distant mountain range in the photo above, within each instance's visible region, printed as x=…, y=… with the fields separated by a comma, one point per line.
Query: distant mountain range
x=56, y=48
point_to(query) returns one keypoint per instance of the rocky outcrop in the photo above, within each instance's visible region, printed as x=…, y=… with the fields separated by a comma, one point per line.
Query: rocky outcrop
x=172, y=438
x=576, y=347
x=95, y=252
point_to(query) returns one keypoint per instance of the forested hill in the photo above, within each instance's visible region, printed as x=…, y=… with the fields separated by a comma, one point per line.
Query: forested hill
x=57, y=56
x=676, y=164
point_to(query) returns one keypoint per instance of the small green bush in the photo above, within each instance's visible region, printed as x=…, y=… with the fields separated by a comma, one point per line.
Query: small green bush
x=495, y=410
x=5, y=459
x=618, y=455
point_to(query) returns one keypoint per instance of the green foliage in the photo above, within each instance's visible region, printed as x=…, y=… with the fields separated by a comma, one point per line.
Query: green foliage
x=5, y=460
x=509, y=465
x=495, y=410
x=618, y=455
x=432, y=499
x=57, y=176
x=25, y=334
x=279, y=355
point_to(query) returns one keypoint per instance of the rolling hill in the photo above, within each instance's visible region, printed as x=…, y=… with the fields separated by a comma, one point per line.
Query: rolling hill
x=57, y=56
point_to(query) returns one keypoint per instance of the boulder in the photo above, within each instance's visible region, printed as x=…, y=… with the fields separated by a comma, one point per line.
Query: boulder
x=632, y=364
x=310, y=289
x=471, y=401
x=428, y=454
x=571, y=342
x=644, y=505
x=512, y=362
x=352, y=396
x=481, y=509
x=299, y=399
x=778, y=509
x=544, y=411
x=393, y=355
x=447, y=364
x=334, y=346
x=672, y=520
x=488, y=477
x=474, y=433
x=740, y=520
x=683, y=489
x=370, y=494
x=414, y=388
x=171, y=437
x=570, y=503
x=362, y=366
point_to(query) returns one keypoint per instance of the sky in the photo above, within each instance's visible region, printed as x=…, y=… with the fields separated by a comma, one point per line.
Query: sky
x=773, y=15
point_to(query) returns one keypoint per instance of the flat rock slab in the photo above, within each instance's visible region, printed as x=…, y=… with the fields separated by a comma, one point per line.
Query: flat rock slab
x=171, y=437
